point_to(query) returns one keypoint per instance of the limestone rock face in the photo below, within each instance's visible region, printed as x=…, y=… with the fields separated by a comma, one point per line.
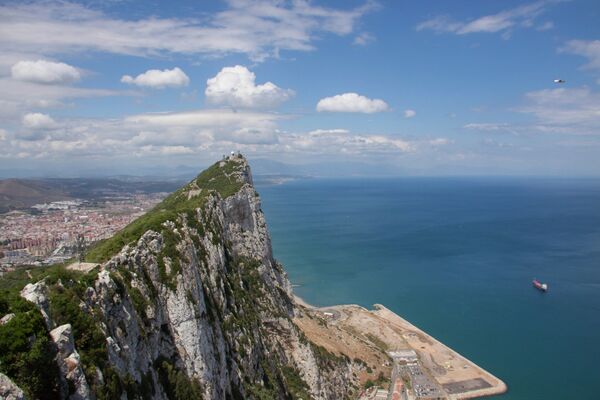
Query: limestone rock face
x=8, y=390
x=37, y=293
x=70, y=364
x=198, y=305
x=6, y=318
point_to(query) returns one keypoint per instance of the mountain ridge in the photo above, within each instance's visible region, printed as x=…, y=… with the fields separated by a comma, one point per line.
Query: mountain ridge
x=21, y=194
x=186, y=302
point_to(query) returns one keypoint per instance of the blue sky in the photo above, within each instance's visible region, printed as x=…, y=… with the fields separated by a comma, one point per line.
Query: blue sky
x=342, y=87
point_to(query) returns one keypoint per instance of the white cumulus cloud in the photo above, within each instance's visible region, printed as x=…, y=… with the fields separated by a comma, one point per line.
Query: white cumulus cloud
x=158, y=79
x=42, y=71
x=351, y=102
x=236, y=86
x=409, y=113
x=38, y=121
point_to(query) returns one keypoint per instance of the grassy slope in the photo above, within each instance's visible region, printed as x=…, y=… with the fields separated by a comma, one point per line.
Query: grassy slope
x=215, y=178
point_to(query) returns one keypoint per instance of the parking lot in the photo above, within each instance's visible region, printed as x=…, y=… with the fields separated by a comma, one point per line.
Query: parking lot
x=423, y=386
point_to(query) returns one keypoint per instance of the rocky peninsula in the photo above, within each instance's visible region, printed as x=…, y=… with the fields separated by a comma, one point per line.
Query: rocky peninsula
x=188, y=302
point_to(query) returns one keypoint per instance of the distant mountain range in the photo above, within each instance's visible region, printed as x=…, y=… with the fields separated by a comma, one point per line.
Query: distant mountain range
x=260, y=166
x=23, y=192
x=19, y=194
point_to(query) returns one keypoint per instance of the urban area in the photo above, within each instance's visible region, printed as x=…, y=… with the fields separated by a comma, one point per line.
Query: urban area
x=54, y=232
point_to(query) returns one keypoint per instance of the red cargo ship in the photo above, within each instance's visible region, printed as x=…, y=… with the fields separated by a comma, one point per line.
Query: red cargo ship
x=541, y=286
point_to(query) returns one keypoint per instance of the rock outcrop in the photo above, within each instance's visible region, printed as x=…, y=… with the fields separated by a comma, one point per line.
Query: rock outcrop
x=69, y=363
x=8, y=390
x=192, y=305
x=6, y=318
x=37, y=293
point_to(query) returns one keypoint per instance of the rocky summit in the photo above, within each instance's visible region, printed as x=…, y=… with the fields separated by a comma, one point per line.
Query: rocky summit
x=187, y=302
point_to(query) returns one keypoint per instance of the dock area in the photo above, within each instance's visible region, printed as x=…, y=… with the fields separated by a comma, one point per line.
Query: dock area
x=402, y=361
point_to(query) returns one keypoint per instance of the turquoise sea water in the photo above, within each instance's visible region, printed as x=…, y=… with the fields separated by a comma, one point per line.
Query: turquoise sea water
x=456, y=256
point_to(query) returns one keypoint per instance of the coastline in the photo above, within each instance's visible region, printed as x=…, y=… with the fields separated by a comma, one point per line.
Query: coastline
x=498, y=386
x=302, y=302
x=451, y=373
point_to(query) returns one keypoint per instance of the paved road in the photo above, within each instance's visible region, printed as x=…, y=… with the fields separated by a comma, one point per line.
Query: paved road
x=395, y=374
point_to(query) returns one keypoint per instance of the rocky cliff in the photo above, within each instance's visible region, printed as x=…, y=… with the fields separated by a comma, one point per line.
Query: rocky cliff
x=187, y=302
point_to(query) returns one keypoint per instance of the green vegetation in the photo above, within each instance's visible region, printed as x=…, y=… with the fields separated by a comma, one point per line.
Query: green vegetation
x=65, y=299
x=17, y=279
x=221, y=180
x=26, y=350
x=381, y=381
x=377, y=342
x=296, y=386
x=27, y=353
x=169, y=251
x=123, y=279
x=325, y=358
x=116, y=386
x=177, y=385
x=271, y=382
x=275, y=379
x=407, y=381
x=359, y=361
x=139, y=301
x=258, y=392
x=13, y=282
x=243, y=288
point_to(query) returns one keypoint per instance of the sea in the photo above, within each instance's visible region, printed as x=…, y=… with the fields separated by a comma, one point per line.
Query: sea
x=456, y=257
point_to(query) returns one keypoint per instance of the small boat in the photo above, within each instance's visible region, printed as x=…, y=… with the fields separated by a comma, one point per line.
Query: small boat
x=541, y=286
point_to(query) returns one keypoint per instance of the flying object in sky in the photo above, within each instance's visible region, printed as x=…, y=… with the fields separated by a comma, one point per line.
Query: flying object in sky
x=559, y=81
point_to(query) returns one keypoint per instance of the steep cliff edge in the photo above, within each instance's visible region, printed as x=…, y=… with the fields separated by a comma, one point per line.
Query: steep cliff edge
x=187, y=302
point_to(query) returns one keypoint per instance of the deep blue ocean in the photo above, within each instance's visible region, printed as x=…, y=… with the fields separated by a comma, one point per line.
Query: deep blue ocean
x=456, y=257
